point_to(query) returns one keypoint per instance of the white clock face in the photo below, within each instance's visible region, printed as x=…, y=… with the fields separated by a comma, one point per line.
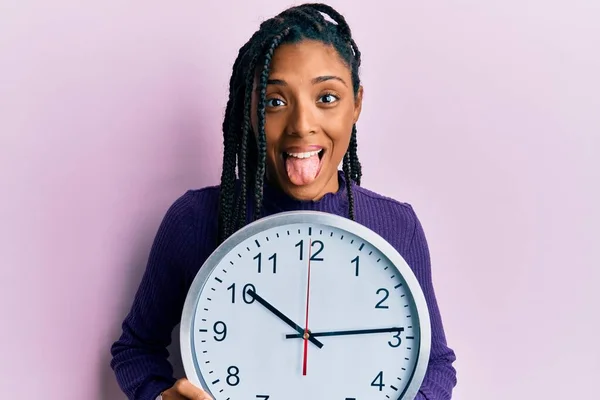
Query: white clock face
x=243, y=326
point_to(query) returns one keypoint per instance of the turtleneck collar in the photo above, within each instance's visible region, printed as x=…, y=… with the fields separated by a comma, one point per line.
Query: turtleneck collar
x=275, y=200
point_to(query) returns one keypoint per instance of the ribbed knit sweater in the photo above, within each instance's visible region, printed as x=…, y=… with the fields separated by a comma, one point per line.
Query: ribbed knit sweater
x=188, y=235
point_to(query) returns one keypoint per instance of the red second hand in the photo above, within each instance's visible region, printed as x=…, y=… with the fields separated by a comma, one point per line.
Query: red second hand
x=306, y=318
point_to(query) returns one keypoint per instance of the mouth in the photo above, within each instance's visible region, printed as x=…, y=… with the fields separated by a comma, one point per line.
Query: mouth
x=303, y=165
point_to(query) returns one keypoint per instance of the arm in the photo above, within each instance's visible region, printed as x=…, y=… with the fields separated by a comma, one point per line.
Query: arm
x=440, y=378
x=140, y=354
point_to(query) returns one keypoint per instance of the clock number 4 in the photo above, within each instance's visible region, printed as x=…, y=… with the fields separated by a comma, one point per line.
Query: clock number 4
x=315, y=253
x=378, y=381
x=273, y=258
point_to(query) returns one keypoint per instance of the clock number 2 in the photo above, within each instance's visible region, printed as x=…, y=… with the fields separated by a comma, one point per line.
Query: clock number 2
x=258, y=257
x=315, y=253
x=386, y=294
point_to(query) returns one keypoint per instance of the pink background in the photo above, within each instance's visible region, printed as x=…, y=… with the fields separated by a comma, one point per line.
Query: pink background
x=489, y=110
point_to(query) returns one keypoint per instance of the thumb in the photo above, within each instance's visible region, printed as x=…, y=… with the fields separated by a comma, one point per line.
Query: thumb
x=185, y=388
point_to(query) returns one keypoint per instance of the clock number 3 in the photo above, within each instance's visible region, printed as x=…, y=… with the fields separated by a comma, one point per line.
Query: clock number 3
x=398, y=340
x=315, y=253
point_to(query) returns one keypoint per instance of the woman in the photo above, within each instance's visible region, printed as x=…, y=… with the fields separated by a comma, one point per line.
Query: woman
x=295, y=97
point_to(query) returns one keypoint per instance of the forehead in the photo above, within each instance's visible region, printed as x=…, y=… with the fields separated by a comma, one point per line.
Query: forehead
x=307, y=58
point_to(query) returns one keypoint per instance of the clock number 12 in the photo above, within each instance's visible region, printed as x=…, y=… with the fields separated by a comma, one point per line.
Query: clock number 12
x=315, y=253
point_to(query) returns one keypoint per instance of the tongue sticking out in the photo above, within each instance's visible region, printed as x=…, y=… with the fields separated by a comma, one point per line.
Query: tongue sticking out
x=302, y=171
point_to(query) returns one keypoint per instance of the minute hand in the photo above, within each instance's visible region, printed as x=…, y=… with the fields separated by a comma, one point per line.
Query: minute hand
x=349, y=332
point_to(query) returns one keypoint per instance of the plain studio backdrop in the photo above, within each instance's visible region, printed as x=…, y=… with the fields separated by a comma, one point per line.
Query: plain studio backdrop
x=484, y=115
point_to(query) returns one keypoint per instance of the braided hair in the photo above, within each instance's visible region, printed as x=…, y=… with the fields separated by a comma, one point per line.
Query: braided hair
x=242, y=152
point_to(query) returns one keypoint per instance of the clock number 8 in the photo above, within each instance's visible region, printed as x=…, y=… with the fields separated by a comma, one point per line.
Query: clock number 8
x=232, y=376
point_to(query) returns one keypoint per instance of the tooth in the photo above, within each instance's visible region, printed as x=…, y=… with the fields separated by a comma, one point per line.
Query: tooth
x=304, y=155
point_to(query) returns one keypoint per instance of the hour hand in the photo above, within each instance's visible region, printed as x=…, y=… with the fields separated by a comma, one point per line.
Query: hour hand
x=284, y=318
x=347, y=332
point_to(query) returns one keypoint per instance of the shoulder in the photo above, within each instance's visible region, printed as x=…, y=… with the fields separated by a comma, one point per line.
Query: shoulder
x=395, y=220
x=192, y=213
x=383, y=205
x=190, y=226
x=194, y=201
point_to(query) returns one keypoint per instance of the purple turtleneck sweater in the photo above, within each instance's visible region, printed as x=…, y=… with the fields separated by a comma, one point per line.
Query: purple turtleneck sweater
x=187, y=236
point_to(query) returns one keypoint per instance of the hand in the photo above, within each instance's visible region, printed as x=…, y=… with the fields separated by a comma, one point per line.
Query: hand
x=185, y=390
x=281, y=316
x=344, y=333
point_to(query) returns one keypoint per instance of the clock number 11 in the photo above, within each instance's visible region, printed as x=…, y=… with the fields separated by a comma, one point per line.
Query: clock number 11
x=273, y=258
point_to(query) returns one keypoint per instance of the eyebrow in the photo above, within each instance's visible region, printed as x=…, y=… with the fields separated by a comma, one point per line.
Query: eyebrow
x=316, y=80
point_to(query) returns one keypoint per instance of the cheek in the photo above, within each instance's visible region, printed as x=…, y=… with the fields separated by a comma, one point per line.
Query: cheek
x=340, y=129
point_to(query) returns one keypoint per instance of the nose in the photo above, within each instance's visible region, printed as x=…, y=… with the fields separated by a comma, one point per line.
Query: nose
x=302, y=120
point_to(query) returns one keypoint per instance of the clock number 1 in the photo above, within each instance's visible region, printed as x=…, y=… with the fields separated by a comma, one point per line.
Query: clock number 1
x=356, y=260
x=258, y=257
x=315, y=253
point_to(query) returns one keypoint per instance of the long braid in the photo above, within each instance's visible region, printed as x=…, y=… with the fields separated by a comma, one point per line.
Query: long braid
x=348, y=175
x=262, y=138
x=355, y=166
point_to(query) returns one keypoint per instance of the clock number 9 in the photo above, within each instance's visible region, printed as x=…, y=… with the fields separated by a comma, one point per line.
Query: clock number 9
x=247, y=299
x=313, y=257
x=220, y=331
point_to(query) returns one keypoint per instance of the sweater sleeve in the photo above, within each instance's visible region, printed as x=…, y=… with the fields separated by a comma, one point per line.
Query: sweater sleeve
x=140, y=355
x=440, y=377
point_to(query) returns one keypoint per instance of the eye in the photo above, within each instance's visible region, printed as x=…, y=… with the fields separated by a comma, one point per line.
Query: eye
x=275, y=102
x=328, y=98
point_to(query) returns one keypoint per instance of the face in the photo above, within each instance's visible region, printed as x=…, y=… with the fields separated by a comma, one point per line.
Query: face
x=310, y=111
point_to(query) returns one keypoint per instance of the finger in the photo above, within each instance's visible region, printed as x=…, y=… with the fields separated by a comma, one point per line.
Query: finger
x=190, y=391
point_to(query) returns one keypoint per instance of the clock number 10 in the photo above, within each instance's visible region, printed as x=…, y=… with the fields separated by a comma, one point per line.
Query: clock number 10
x=247, y=299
